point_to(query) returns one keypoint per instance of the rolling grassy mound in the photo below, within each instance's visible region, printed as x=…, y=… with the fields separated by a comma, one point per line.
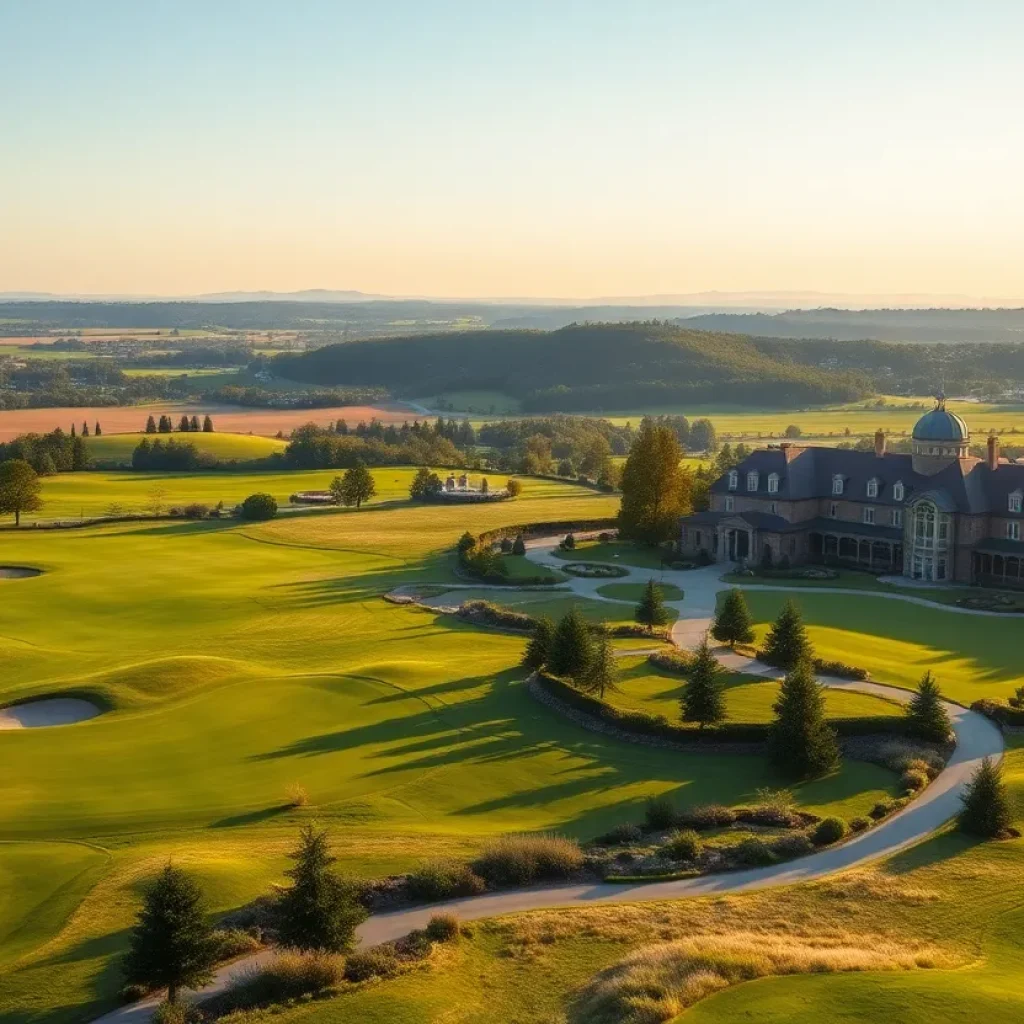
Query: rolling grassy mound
x=118, y=448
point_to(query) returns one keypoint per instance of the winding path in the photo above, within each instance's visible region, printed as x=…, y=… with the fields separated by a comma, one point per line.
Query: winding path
x=976, y=738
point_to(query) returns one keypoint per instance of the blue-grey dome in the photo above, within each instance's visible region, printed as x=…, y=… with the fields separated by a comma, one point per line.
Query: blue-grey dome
x=941, y=425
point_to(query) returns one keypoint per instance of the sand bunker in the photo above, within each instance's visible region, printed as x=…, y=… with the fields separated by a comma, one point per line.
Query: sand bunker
x=51, y=711
x=18, y=572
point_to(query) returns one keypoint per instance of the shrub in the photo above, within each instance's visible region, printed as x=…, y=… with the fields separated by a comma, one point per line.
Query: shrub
x=859, y=824
x=287, y=976
x=196, y=511
x=466, y=543
x=677, y=662
x=900, y=755
x=623, y=834
x=839, y=669
x=380, y=962
x=605, y=536
x=707, y=817
x=443, y=928
x=444, y=879
x=506, y=546
x=568, y=542
x=828, y=831
x=296, y=796
x=882, y=809
x=259, y=506
x=177, y=1013
x=913, y=780
x=519, y=860
x=753, y=853
x=774, y=807
x=788, y=847
x=495, y=615
x=519, y=545
x=683, y=845
x=514, y=488
x=659, y=814
x=234, y=942
x=132, y=993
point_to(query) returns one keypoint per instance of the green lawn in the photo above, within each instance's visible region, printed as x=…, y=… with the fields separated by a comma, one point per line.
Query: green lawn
x=612, y=551
x=243, y=447
x=632, y=592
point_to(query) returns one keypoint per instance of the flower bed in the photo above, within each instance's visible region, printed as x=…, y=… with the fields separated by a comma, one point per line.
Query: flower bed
x=312, y=498
x=594, y=570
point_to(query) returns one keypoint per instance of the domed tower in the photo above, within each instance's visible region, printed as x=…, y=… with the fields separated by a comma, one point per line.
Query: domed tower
x=940, y=438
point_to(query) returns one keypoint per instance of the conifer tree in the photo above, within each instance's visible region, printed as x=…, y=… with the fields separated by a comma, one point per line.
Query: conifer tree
x=172, y=945
x=151, y=425
x=926, y=717
x=703, y=700
x=572, y=647
x=79, y=454
x=651, y=610
x=986, y=810
x=519, y=545
x=193, y=424
x=184, y=425
x=803, y=745
x=98, y=431
x=73, y=434
x=732, y=623
x=601, y=673
x=538, y=648
x=787, y=644
x=320, y=911
x=207, y=424
x=85, y=429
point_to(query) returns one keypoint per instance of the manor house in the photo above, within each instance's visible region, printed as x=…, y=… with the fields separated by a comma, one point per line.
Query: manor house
x=938, y=514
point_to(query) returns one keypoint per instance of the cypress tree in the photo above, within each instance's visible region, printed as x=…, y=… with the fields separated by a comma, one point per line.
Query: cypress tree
x=151, y=425
x=98, y=432
x=193, y=424
x=320, y=911
x=601, y=673
x=786, y=644
x=85, y=429
x=703, y=699
x=207, y=424
x=803, y=745
x=926, y=717
x=986, y=810
x=73, y=434
x=651, y=611
x=732, y=623
x=184, y=426
x=172, y=945
x=538, y=648
x=572, y=647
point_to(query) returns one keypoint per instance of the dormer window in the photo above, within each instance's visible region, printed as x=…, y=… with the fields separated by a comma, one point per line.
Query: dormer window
x=1015, y=501
x=897, y=491
x=773, y=483
x=837, y=484
x=734, y=479
x=872, y=488
x=752, y=481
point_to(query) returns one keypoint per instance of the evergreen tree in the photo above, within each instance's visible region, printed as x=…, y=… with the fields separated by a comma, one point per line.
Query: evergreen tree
x=703, y=699
x=732, y=623
x=651, y=610
x=79, y=454
x=207, y=424
x=193, y=424
x=151, y=425
x=98, y=432
x=601, y=673
x=519, y=545
x=787, y=644
x=572, y=647
x=184, y=424
x=656, y=491
x=926, y=717
x=355, y=487
x=320, y=911
x=172, y=945
x=165, y=426
x=803, y=745
x=73, y=434
x=19, y=489
x=539, y=646
x=85, y=429
x=986, y=810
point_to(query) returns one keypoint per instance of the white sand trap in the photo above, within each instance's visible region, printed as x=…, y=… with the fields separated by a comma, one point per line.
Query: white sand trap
x=52, y=711
x=18, y=572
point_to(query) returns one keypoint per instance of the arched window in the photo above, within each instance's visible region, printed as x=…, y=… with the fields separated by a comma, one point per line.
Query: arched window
x=734, y=479
x=872, y=488
x=752, y=480
x=837, y=484
x=773, y=483
x=897, y=491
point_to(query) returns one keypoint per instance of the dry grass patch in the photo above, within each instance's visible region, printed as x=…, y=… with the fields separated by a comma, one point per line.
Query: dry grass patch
x=657, y=983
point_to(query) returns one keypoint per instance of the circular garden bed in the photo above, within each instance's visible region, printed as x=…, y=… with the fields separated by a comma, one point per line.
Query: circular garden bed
x=595, y=570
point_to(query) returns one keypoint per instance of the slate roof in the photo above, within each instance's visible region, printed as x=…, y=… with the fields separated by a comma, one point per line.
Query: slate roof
x=966, y=485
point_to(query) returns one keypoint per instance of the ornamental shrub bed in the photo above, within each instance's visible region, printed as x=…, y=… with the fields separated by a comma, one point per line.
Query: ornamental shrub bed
x=677, y=662
x=494, y=615
x=595, y=570
x=998, y=712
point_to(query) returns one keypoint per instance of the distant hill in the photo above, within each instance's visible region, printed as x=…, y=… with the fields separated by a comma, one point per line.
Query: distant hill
x=906, y=325
x=579, y=367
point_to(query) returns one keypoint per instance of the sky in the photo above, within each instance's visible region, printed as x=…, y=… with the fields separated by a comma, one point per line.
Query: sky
x=529, y=148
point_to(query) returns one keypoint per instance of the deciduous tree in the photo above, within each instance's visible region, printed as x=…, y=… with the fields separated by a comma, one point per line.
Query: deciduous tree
x=656, y=491
x=19, y=489
x=355, y=487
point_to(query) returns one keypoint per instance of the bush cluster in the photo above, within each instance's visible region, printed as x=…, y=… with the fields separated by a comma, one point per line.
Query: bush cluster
x=677, y=662
x=381, y=962
x=443, y=928
x=840, y=669
x=443, y=880
x=683, y=845
x=828, y=831
x=287, y=976
x=520, y=860
x=495, y=615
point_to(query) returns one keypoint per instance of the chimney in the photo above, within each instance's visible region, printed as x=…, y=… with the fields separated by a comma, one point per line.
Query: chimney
x=993, y=452
x=879, y=444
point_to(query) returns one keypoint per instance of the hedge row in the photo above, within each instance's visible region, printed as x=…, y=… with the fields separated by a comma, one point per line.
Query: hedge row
x=546, y=529
x=1001, y=714
x=737, y=732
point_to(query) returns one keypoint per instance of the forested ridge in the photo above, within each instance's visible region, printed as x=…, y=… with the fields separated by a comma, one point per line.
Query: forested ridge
x=585, y=366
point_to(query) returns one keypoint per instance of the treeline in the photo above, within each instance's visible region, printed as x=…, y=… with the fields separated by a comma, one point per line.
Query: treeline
x=313, y=447
x=55, y=452
x=582, y=366
x=187, y=424
x=309, y=398
x=170, y=454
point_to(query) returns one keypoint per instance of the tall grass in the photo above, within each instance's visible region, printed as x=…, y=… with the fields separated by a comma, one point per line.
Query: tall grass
x=519, y=860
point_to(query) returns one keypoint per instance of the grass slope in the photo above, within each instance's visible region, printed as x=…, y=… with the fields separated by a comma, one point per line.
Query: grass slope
x=243, y=447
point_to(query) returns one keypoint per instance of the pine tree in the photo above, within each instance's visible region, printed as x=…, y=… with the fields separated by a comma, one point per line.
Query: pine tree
x=207, y=424
x=651, y=610
x=803, y=745
x=733, y=624
x=538, y=648
x=98, y=432
x=184, y=426
x=519, y=545
x=151, y=425
x=786, y=644
x=703, y=699
x=601, y=673
x=656, y=491
x=926, y=717
x=320, y=911
x=572, y=647
x=73, y=434
x=986, y=810
x=85, y=429
x=193, y=424
x=172, y=945
x=355, y=487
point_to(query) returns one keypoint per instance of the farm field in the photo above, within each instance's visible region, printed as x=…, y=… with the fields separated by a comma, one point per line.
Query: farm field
x=243, y=447
x=121, y=419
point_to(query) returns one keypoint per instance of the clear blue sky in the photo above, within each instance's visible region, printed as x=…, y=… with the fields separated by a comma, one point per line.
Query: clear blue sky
x=527, y=148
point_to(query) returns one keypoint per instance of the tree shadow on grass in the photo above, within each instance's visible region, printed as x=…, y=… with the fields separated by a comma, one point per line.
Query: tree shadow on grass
x=252, y=817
